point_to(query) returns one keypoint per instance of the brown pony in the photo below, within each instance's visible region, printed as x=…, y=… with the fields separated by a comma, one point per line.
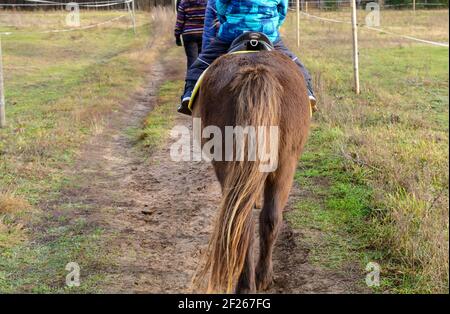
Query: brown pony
x=251, y=89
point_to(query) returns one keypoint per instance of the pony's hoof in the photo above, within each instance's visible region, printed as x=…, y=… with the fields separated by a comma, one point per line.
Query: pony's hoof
x=242, y=290
x=263, y=280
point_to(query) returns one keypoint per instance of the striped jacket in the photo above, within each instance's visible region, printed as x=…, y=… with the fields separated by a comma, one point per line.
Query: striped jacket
x=239, y=16
x=190, y=17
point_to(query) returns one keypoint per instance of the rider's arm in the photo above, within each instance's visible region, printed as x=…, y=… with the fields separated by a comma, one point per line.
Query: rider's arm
x=221, y=6
x=282, y=11
x=211, y=23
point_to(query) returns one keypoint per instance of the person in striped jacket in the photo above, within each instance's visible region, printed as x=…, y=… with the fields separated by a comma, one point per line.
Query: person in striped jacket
x=189, y=26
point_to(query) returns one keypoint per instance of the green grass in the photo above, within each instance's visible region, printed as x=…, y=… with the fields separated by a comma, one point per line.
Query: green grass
x=335, y=207
x=57, y=99
x=375, y=169
x=40, y=268
x=162, y=117
x=60, y=89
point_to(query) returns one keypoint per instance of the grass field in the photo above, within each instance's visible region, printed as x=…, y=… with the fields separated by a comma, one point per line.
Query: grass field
x=374, y=173
x=378, y=162
x=60, y=88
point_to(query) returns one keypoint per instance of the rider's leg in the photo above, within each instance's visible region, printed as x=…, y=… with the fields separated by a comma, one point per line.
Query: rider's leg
x=214, y=50
x=279, y=45
x=191, y=48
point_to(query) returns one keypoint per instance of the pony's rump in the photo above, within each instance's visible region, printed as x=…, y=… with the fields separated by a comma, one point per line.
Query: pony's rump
x=240, y=90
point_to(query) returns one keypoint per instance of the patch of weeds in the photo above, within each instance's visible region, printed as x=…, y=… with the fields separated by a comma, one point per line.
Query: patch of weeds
x=334, y=214
x=40, y=267
x=162, y=117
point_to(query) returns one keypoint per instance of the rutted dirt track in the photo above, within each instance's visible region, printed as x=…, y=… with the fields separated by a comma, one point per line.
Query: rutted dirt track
x=160, y=211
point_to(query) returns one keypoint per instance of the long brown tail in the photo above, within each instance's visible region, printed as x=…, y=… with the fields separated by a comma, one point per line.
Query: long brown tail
x=257, y=103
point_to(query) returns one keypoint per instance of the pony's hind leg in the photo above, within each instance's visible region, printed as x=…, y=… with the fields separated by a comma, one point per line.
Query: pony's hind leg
x=246, y=282
x=269, y=220
x=276, y=193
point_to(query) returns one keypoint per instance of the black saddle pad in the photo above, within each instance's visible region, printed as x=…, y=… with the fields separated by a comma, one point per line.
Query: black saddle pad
x=251, y=41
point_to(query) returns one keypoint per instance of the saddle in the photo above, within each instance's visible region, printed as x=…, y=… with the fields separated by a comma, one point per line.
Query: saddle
x=248, y=42
x=251, y=41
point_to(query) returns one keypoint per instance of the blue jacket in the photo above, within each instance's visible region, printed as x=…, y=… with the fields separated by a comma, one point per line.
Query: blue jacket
x=211, y=24
x=239, y=16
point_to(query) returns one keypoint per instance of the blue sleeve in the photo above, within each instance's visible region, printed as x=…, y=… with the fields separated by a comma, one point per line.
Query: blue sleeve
x=221, y=6
x=282, y=11
x=211, y=24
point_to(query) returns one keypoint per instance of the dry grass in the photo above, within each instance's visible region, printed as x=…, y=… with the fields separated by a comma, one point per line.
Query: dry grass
x=12, y=205
x=394, y=136
x=14, y=215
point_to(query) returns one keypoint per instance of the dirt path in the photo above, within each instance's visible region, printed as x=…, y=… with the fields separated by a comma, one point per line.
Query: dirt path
x=159, y=212
x=295, y=274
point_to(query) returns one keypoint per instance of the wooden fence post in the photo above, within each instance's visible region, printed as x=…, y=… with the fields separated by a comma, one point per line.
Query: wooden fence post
x=355, y=47
x=2, y=91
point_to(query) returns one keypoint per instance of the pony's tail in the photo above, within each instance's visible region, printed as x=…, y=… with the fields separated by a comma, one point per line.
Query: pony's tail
x=257, y=101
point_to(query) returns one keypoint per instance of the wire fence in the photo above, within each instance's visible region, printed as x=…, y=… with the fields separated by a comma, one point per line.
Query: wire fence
x=46, y=5
x=354, y=19
x=339, y=4
x=145, y=5
x=314, y=12
x=68, y=11
x=377, y=29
